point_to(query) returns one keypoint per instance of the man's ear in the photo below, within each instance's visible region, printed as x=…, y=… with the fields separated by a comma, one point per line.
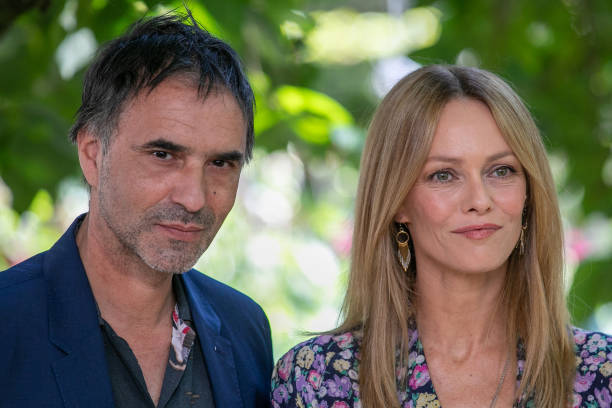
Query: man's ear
x=90, y=155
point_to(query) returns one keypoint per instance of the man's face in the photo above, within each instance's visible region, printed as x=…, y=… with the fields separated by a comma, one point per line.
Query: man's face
x=170, y=175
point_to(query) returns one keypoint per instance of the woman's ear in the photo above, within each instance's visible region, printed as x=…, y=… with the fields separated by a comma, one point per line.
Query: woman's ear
x=401, y=216
x=90, y=156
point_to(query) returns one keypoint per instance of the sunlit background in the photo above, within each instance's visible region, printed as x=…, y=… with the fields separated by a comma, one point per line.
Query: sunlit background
x=318, y=69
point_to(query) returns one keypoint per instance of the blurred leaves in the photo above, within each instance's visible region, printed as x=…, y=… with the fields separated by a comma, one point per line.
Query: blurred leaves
x=312, y=115
x=585, y=296
x=318, y=69
x=368, y=36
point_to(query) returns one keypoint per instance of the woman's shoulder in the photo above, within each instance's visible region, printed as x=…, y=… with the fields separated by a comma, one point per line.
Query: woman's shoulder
x=592, y=343
x=593, y=365
x=326, y=343
x=317, y=369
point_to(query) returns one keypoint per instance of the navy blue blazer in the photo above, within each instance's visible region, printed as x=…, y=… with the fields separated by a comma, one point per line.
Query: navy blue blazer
x=51, y=347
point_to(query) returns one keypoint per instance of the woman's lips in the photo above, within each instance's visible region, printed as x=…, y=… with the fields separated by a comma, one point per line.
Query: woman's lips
x=481, y=231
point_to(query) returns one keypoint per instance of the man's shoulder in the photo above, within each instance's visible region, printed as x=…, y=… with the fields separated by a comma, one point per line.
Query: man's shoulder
x=63, y=254
x=22, y=274
x=235, y=316
x=22, y=289
x=226, y=300
x=218, y=292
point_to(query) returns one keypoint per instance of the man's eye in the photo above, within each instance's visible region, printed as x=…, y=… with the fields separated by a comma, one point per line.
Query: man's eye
x=219, y=163
x=162, y=155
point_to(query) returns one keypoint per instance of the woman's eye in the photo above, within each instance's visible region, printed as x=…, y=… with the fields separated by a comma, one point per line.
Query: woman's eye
x=503, y=171
x=442, y=176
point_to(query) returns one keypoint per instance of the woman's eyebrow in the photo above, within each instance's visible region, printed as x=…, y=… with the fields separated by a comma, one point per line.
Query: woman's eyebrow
x=500, y=155
x=452, y=159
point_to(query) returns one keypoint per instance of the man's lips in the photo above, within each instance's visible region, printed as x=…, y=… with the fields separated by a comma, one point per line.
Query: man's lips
x=183, y=227
x=477, y=231
x=182, y=232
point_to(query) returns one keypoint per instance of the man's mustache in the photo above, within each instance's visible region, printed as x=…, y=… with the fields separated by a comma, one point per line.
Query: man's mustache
x=203, y=218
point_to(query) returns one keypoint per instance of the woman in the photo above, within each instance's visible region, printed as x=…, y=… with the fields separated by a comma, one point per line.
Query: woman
x=455, y=294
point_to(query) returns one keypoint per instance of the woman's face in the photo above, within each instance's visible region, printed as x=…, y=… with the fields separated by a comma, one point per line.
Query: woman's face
x=464, y=212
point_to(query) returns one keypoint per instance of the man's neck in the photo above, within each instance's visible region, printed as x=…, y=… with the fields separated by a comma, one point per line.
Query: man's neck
x=129, y=294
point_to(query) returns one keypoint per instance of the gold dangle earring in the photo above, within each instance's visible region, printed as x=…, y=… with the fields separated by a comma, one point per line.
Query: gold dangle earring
x=403, y=251
x=523, y=232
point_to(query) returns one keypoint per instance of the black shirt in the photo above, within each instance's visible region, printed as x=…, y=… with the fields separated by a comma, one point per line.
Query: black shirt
x=186, y=382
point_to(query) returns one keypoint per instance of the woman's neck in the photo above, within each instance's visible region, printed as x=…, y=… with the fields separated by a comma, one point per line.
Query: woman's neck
x=461, y=314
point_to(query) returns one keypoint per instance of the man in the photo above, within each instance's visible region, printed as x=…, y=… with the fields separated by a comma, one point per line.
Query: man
x=113, y=314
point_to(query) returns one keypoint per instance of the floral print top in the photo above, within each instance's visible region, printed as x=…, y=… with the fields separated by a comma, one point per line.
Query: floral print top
x=323, y=372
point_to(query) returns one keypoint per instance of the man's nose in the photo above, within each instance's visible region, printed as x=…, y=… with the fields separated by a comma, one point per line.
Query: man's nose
x=190, y=189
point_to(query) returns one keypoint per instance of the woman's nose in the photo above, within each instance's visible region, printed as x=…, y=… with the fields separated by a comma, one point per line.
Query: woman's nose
x=477, y=196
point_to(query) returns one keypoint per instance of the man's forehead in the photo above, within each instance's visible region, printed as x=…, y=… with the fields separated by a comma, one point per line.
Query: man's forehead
x=202, y=87
x=165, y=91
x=173, y=111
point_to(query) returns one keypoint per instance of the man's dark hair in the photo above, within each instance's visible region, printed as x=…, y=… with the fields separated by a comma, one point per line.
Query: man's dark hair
x=151, y=51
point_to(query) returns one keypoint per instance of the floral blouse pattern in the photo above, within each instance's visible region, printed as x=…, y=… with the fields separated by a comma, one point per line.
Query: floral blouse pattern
x=323, y=372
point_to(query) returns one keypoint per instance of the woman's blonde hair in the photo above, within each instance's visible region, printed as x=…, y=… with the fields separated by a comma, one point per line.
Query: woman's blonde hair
x=379, y=299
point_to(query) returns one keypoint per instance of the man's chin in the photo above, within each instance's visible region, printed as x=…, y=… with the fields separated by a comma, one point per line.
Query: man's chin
x=174, y=257
x=170, y=269
x=171, y=263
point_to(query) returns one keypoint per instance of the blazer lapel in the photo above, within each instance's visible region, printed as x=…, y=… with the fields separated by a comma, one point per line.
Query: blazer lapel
x=80, y=363
x=216, y=348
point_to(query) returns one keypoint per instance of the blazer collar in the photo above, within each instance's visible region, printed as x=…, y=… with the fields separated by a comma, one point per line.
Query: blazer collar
x=72, y=308
x=81, y=371
x=216, y=347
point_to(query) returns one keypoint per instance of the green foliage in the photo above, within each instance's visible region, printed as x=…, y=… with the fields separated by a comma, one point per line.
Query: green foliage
x=312, y=65
x=584, y=297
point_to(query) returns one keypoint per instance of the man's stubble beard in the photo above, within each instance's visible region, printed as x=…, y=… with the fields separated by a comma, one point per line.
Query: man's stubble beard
x=171, y=257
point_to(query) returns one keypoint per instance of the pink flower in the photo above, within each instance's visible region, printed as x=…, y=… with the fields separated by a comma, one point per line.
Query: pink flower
x=580, y=337
x=344, y=340
x=419, y=377
x=577, y=401
x=314, y=378
x=595, y=359
x=285, y=366
x=340, y=404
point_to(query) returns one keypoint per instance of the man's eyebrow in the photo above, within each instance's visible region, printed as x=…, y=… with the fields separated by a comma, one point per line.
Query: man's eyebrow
x=234, y=155
x=449, y=159
x=163, y=144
